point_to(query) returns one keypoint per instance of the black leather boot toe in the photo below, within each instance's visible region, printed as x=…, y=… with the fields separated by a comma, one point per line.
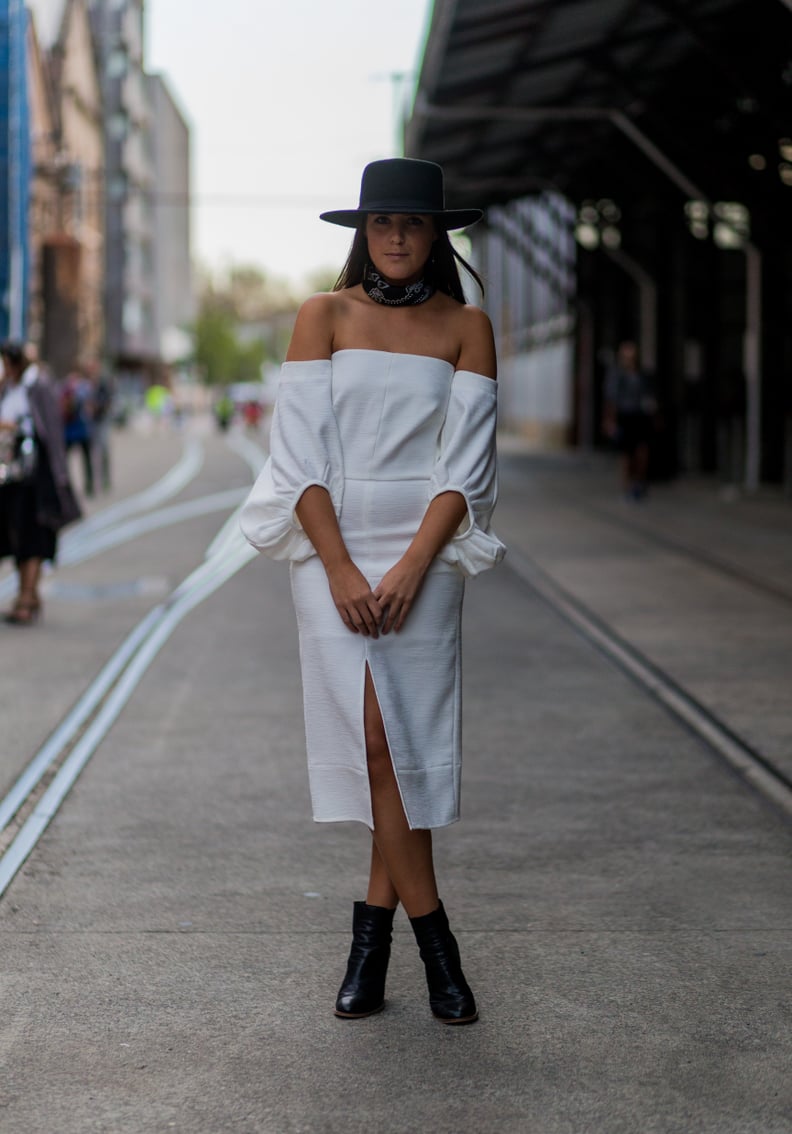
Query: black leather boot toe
x=362, y=992
x=450, y=997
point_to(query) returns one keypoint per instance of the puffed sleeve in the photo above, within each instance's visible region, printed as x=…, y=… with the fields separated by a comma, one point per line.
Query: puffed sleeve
x=466, y=463
x=305, y=449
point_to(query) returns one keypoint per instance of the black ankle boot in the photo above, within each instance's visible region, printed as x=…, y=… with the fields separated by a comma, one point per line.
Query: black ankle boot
x=450, y=997
x=363, y=990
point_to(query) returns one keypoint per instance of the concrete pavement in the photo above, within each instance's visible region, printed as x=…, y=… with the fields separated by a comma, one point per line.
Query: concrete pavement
x=172, y=948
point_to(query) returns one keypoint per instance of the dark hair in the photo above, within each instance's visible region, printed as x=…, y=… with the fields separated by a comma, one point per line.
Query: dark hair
x=441, y=267
x=13, y=351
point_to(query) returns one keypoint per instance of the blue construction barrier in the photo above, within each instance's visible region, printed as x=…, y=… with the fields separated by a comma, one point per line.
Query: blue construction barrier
x=15, y=170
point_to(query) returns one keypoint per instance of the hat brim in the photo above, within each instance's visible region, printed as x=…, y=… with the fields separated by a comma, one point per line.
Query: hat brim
x=447, y=218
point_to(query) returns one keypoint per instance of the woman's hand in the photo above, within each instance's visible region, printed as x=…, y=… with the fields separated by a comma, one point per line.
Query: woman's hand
x=397, y=592
x=358, y=607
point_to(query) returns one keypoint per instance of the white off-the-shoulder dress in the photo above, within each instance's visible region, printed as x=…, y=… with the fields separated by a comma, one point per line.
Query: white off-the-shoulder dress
x=384, y=434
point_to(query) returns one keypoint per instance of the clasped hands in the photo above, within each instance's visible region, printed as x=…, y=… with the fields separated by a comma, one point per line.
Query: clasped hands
x=378, y=611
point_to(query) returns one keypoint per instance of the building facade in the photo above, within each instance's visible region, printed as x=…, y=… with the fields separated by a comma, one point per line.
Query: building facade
x=526, y=254
x=67, y=200
x=174, y=307
x=130, y=323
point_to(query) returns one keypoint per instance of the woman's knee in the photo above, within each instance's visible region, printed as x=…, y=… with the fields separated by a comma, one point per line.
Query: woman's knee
x=377, y=752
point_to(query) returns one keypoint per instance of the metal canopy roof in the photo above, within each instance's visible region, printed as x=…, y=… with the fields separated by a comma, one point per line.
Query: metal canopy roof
x=514, y=97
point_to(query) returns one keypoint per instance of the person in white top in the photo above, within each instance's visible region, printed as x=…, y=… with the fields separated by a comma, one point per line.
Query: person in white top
x=36, y=500
x=379, y=490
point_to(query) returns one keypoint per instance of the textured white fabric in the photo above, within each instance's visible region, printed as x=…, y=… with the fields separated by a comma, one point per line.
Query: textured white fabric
x=384, y=433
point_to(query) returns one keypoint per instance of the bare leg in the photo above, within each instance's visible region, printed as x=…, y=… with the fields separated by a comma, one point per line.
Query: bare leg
x=404, y=856
x=381, y=891
x=27, y=604
x=29, y=573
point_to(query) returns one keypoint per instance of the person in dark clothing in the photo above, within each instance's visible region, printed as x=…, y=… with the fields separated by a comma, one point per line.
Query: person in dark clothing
x=629, y=410
x=101, y=402
x=77, y=413
x=33, y=509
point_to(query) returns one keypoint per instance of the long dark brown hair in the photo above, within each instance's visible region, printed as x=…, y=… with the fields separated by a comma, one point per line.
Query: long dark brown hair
x=440, y=270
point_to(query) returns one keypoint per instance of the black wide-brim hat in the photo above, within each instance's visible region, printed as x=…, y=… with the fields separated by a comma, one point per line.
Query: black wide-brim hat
x=403, y=185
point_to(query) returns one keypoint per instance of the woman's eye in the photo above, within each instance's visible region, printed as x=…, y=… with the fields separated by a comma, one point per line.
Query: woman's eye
x=417, y=221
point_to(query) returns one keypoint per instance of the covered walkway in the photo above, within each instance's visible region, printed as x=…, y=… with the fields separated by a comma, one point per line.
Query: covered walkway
x=659, y=134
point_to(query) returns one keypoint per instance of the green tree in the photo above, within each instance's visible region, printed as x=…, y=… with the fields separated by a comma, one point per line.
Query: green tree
x=216, y=346
x=245, y=316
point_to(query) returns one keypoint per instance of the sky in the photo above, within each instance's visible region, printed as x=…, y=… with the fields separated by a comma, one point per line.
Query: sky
x=287, y=102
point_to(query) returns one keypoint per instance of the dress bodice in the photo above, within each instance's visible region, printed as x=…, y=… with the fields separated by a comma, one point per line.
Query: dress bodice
x=390, y=410
x=363, y=424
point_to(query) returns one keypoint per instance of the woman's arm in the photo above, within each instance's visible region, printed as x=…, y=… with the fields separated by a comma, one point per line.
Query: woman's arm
x=312, y=336
x=400, y=586
x=358, y=608
x=477, y=343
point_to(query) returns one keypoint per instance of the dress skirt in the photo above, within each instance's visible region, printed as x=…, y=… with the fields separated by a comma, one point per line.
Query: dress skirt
x=22, y=535
x=416, y=672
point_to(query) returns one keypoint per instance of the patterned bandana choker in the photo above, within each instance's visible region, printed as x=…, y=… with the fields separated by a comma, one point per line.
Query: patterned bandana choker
x=392, y=295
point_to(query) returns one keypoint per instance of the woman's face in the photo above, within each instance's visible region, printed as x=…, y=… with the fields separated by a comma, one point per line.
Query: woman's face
x=399, y=245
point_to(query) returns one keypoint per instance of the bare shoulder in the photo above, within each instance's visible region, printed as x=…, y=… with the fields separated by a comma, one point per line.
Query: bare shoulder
x=314, y=326
x=477, y=342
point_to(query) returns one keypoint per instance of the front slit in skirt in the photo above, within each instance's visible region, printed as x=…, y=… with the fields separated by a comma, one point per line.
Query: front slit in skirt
x=416, y=673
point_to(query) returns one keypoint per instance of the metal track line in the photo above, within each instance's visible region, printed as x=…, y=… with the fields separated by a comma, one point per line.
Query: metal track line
x=203, y=582
x=76, y=718
x=749, y=764
x=635, y=527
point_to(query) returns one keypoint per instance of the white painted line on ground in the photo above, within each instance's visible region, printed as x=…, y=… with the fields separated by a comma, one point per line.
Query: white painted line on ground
x=152, y=521
x=73, y=543
x=185, y=470
x=196, y=587
x=249, y=450
x=71, y=724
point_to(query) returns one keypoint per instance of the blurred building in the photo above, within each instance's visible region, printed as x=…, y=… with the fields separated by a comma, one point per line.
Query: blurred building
x=641, y=153
x=14, y=169
x=130, y=322
x=174, y=307
x=67, y=186
x=43, y=206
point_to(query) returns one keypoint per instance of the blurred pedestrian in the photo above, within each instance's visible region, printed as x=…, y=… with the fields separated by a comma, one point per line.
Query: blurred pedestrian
x=77, y=414
x=379, y=490
x=252, y=411
x=223, y=412
x=101, y=403
x=36, y=499
x=629, y=410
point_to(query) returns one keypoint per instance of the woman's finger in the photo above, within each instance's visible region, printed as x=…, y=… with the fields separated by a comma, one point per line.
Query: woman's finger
x=392, y=612
x=403, y=612
x=365, y=620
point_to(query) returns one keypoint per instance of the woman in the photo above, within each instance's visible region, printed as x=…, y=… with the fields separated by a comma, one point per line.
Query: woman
x=379, y=489
x=32, y=509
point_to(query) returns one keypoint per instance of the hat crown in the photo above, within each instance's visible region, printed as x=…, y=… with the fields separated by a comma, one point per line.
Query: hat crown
x=402, y=185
